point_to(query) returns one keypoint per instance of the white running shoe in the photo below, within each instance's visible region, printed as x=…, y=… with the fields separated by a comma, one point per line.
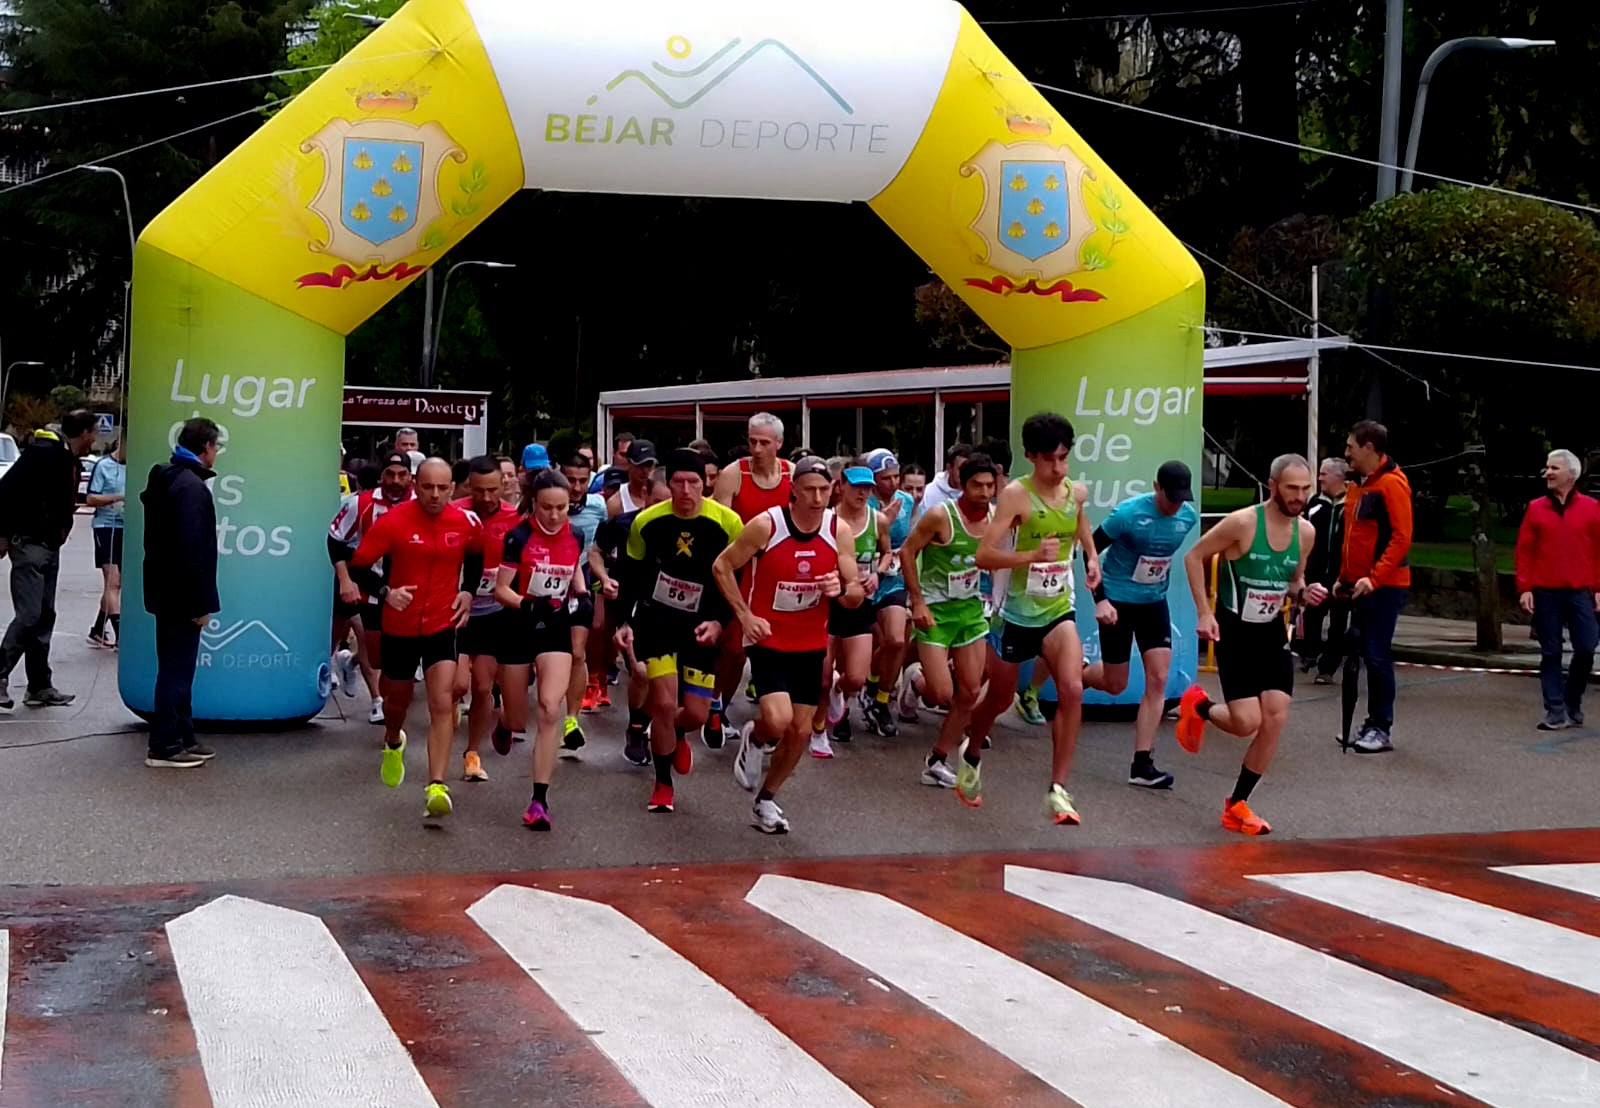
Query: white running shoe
x=747, y=765
x=820, y=747
x=908, y=692
x=345, y=667
x=375, y=715
x=836, y=705
x=769, y=818
x=939, y=775
x=108, y=637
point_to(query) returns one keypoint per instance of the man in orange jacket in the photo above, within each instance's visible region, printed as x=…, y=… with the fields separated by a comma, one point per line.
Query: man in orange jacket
x=1374, y=573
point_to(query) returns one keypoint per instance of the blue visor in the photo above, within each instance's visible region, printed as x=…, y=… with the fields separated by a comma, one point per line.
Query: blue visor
x=858, y=475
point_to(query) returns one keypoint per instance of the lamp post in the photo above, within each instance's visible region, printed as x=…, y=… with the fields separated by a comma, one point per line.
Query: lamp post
x=1490, y=43
x=432, y=351
x=127, y=292
x=5, y=383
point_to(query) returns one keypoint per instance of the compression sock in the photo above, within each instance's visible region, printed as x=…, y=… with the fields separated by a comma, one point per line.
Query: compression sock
x=540, y=792
x=1247, y=782
x=663, y=769
x=1203, y=709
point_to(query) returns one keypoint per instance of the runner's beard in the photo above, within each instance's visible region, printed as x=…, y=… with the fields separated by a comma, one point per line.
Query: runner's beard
x=1286, y=508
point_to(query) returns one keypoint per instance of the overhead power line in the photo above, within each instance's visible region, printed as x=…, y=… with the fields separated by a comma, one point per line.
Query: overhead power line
x=1144, y=15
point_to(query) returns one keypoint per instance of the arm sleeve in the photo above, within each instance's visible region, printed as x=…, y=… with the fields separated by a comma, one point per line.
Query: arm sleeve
x=511, y=549
x=472, y=569
x=338, y=551
x=1101, y=539
x=1397, y=502
x=373, y=547
x=1525, y=552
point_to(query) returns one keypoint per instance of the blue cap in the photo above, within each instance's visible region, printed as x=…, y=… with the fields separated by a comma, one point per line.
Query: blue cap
x=535, y=456
x=880, y=460
x=858, y=475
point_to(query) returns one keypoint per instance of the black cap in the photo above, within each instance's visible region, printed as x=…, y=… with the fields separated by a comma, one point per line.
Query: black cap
x=684, y=460
x=641, y=451
x=811, y=464
x=1174, y=480
x=396, y=458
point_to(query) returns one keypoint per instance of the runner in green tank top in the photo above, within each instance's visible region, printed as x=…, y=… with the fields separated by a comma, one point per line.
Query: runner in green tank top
x=1262, y=551
x=940, y=562
x=844, y=669
x=1029, y=548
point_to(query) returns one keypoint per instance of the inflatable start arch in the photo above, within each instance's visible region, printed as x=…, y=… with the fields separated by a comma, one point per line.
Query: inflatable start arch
x=246, y=286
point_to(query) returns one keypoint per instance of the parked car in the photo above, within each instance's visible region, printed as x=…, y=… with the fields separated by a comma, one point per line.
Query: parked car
x=8, y=453
x=85, y=471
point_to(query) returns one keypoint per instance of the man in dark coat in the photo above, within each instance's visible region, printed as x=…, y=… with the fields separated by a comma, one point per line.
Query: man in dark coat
x=180, y=587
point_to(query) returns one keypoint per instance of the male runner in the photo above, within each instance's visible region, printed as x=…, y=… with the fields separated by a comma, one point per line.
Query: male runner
x=850, y=629
x=479, y=641
x=1037, y=521
x=671, y=614
x=1137, y=543
x=407, y=442
x=796, y=566
x=1263, y=551
x=940, y=560
x=352, y=607
x=435, y=552
x=586, y=511
x=539, y=585
x=605, y=564
x=749, y=485
x=889, y=601
x=641, y=475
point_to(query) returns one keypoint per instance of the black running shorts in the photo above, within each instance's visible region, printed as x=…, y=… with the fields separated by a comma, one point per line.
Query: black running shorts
x=1149, y=624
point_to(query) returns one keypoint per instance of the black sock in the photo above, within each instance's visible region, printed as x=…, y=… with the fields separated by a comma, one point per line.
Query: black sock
x=971, y=757
x=435, y=782
x=99, y=624
x=766, y=794
x=116, y=623
x=1247, y=782
x=1142, y=758
x=935, y=758
x=681, y=733
x=540, y=792
x=663, y=769
x=1203, y=709
x=638, y=717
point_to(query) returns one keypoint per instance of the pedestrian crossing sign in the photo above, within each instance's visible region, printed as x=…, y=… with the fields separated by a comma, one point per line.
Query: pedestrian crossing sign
x=103, y=423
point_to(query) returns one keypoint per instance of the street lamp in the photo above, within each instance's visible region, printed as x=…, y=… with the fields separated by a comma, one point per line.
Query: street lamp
x=438, y=327
x=364, y=18
x=127, y=292
x=5, y=383
x=1497, y=45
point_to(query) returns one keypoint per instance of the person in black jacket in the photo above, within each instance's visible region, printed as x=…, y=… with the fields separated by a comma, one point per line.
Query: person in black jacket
x=38, y=497
x=1326, y=513
x=180, y=587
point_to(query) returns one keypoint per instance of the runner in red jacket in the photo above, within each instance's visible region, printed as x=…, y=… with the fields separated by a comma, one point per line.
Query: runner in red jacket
x=435, y=554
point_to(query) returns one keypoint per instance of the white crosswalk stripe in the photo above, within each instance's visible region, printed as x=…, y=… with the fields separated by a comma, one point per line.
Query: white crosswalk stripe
x=281, y=1018
x=1498, y=1064
x=1577, y=877
x=1089, y=1052
x=680, y=1038
x=1538, y=947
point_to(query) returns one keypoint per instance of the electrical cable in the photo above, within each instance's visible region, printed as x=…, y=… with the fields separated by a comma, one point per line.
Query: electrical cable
x=1145, y=15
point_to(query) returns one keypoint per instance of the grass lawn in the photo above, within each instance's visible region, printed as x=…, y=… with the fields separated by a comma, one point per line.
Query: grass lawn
x=1456, y=555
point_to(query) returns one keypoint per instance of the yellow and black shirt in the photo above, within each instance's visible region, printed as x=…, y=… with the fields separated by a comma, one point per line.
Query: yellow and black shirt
x=666, y=564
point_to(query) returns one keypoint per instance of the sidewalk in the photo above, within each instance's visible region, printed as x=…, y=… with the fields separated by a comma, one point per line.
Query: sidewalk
x=1450, y=642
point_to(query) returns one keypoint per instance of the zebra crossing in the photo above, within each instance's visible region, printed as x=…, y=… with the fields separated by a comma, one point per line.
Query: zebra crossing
x=1448, y=970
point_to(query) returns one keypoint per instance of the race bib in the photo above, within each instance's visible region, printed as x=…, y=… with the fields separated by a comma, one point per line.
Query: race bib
x=548, y=580
x=486, y=583
x=865, y=562
x=674, y=593
x=1151, y=571
x=1048, y=578
x=894, y=566
x=963, y=585
x=1262, y=605
x=796, y=596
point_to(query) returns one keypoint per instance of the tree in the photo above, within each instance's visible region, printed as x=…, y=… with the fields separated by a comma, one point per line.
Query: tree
x=68, y=398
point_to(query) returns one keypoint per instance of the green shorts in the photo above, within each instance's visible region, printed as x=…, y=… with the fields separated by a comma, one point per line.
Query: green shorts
x=952, y=630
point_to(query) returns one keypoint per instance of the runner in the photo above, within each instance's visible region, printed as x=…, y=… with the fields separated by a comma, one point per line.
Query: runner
x=796, y=564
x=435, y=553
x=479, y=641
x=539, y=586
x=1037, y=521
x=940, y=559
x=605, y=563
x=585, y=512
x=750, y=485
x=1137, y=543
x=354, y=609
x=671, y=614
x=850, y=629
x=889, y=601
x=641, y=475
x=1263, y=551
x=510, y=487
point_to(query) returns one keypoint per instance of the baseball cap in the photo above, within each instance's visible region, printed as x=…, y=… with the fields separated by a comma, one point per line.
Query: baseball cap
x=395, y=458
x=1174, y=480
x=612, y=477
x=880, y=460
x=641, y=451
x=811, y=465
x=535, y=456
x=858, y=475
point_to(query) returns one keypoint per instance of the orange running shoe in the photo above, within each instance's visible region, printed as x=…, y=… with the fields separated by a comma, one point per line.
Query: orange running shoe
x=1191, y=732
x=1238, y=817
x=682, y=758
x=591, y=695
x=602, y=697
x=660, y=799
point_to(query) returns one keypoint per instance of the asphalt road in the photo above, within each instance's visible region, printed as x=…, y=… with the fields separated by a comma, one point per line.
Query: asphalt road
x=82, y=809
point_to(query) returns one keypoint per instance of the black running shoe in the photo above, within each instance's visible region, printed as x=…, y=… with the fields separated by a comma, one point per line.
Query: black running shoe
x=841, y=730
x=1147, y=776
x=636, y=745
x=880, y=720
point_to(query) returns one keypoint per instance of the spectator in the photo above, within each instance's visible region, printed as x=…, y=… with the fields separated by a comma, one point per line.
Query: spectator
x=1377, y=540
x=407, y=441
x=947, y=485
x=107, y=491
x=709, y=453
x=180, y=587
x=1326, y=513
x=1558, y=579
x=38, y=497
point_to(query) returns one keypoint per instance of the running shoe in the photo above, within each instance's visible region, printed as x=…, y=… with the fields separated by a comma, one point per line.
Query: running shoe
x=938, y=774
x=881, y=721
x=613, y=675
x=747, y=765
x=837, y=708
x=660, y=799
x=181, y=760
x=393, y=769
x=1323, y=679
x=867, y=696
x=1554, y=720
x=714, y=734
x=1191, y=730
x=1028, y=707
x=501, y=739
x=1059, y=804
x=682, y=757
x=109, y=639
x=750, y=692
x=969, y=785
x=908, y=693
x=1148, y=776
x=636, y=745
x=204, y=753
x=1575, y=717
x=1372, y=740
x=937, y=709
x=572, y=737
x=820, y=747
x=438, y=801
x=5, y=697
x=94, y=639
x=472, y=768
x=604, y=699
x=1237, y=816
x=537, y=817
x=344, y=664
x=591, y=694
x=456, y=726
x=841, y=730
x=375, y=713
x=48, y=697
x=769, y=818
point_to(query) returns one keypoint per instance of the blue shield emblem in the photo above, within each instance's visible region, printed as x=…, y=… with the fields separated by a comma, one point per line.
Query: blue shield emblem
x=1033, y=207
x=382, y=187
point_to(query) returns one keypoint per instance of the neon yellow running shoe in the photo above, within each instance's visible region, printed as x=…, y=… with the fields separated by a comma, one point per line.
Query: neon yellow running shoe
x=969, y=789
x=1059, y=804
x=393, y=771
x=1028, y=706
x=438, y=801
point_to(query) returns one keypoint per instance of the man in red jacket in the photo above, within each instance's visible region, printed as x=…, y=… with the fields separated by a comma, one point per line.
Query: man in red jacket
x=1558, y=577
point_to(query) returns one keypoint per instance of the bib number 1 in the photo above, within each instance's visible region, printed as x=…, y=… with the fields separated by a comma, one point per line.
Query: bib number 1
x=796, y=596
